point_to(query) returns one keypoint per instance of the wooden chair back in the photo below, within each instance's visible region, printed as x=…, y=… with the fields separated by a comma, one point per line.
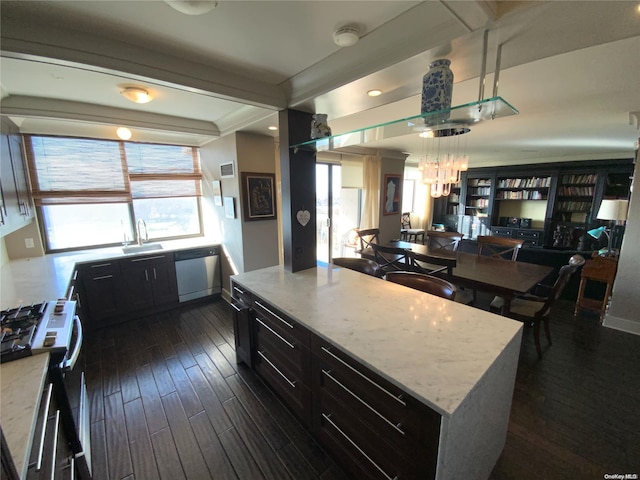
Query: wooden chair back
x=405, y=220
x=366, y=238
x=362, y=265
x=499, y=247
x=393, y=258
x=424, y=283
x=443, y=240
x=564, y=276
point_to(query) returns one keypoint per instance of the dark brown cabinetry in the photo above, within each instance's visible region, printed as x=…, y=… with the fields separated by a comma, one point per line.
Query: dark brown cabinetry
x=149, y=281
x=16, y=208
x=374, y=429
x=99, y=291
x=114, y=290
x=241, y=304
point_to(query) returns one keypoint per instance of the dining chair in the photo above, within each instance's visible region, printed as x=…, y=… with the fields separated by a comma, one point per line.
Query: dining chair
x=367, y=237
x=393, y=258
x=499, y=247
x=362, y=265
x=443, y=240
x=407, y=233
x=425, y=283
x=535, y=309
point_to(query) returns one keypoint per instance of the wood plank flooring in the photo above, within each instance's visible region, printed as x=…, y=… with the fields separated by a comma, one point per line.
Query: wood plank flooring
x=168, y=401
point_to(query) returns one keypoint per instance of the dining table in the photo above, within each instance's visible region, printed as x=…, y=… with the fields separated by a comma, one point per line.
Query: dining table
x=505, y=278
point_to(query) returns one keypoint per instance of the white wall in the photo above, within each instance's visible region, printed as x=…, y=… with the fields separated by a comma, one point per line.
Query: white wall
x=624, y=309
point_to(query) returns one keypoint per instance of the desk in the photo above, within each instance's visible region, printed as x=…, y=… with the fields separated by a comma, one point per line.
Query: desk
x=600, y=269
x=502, y=277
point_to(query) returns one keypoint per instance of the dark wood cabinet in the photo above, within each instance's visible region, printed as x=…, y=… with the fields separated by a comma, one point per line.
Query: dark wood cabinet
x=148, y=281
x=98, y=287
x=372, y=428
x=16, y=207
x=241, y=304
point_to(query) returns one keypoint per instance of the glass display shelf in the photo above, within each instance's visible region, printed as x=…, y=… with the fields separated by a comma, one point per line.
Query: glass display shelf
x=448, y=122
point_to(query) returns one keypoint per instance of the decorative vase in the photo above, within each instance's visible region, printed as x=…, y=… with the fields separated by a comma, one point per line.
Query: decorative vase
x=437, y=89
x=319, y=126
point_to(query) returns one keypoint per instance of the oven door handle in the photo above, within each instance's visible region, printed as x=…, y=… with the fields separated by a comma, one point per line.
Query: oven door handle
x=68, y=364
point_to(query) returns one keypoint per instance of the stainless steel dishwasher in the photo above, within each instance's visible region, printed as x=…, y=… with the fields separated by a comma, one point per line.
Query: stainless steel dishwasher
x=198, y=272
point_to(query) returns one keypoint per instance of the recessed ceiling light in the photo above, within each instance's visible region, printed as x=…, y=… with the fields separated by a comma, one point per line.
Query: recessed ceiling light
x=123, y=133
x=136, y=94
x=272, y=127
x=374, y=93
x=193, y=7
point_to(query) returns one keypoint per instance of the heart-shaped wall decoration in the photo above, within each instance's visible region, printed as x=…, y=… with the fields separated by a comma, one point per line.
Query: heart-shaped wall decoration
x=303, y=217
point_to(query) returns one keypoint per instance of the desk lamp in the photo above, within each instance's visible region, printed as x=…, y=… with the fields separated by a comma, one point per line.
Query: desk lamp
x=614, y=210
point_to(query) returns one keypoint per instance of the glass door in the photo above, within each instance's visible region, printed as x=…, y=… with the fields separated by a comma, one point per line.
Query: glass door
x=337, y=213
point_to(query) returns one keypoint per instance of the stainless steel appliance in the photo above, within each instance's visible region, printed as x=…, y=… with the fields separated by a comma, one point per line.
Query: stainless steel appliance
x=198, y=273
x=63, y=427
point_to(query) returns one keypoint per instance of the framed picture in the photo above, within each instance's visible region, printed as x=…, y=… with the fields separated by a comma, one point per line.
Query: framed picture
x=229, y=207
x=392, y=195
x=217, y=193
x=259, y=196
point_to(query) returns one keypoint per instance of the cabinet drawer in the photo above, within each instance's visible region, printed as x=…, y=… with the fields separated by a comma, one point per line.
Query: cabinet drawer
x=289, y=354
x=288, y=387
x=529, y=235
x=239, y=293
x=92, y=271
x=380, y=403
x=289, y=329
x=142, y=260
x=502, y=232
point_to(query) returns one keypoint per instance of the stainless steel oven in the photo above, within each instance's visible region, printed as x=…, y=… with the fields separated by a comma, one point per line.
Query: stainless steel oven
x=61, y=442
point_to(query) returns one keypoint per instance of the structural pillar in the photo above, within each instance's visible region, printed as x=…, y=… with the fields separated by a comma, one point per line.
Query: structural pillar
x=298, y=176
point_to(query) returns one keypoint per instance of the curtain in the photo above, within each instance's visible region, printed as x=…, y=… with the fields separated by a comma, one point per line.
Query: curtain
x=371, y=191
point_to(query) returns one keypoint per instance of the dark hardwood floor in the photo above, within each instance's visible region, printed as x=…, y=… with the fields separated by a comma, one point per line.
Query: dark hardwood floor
x=168, y=401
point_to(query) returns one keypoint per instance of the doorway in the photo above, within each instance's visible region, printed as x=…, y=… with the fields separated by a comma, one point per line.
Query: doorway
x=337, y=213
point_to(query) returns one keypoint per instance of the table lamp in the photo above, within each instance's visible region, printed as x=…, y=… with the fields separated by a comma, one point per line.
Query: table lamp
x=614, y=210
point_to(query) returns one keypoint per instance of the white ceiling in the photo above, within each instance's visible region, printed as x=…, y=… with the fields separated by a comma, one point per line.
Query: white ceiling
x=572, y=69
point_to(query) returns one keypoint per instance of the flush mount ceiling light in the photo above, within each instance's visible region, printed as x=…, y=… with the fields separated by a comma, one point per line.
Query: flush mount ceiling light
x=346, y=36
x=136, y=94
x=192, y=7
x=123, y=133
x=374, y=93
x=273, y=128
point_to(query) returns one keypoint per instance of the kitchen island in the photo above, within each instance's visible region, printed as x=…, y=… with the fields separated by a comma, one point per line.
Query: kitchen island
x=451, y=365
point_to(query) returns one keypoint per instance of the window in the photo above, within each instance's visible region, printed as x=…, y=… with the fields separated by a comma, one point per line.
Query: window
x=92, y=192
x=407, y=195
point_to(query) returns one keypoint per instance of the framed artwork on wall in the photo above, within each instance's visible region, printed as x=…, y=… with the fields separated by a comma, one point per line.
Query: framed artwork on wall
x=217, y=193
x=392, y=195
x=258, y=196
x=229, y=207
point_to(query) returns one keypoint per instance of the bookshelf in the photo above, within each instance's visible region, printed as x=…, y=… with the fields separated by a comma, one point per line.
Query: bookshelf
x=478, y=196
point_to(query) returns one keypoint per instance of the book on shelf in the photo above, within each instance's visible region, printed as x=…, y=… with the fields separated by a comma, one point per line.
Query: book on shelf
x=587, y=178
x=531, y=182
x=576, y=191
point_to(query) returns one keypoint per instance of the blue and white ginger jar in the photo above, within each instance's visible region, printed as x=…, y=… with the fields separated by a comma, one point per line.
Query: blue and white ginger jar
x=437, y=89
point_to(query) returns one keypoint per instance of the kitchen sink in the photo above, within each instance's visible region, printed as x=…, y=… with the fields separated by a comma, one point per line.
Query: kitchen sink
x=145, y=247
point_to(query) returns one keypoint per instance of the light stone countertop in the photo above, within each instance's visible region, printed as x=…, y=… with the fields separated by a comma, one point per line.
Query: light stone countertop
x=32, y=280
x=434, y=348
x=19, y=405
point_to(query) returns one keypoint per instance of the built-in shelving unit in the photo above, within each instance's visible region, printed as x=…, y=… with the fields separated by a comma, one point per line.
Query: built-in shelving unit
x=478, y=199
x=523, y=188
x=575, y=197
x=453, y=202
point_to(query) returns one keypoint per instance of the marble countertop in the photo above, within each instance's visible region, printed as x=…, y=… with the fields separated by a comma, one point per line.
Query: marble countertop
x=19, y=405
x=29, y=280
x=434, y=348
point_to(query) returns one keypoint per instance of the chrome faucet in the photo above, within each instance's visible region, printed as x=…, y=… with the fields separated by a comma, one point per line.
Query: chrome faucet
x=146, y=233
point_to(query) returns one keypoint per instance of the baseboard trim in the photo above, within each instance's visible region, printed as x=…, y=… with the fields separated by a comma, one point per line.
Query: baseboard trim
x=622, y=324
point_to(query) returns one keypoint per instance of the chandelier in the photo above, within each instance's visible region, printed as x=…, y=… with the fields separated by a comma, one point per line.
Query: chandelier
x=442, y=165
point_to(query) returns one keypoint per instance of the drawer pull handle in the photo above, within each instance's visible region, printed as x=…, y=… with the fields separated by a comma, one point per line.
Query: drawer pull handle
x=396, y=398
x=104, y=277
x=293, y=384
x=391, y=424
x=278, y=317
x=289, y=344
x=241, y=292
x=235, y=307
x=44, y=427
x=355, y=445
x=101, y=265
x=145, y=259
x=55, y=445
